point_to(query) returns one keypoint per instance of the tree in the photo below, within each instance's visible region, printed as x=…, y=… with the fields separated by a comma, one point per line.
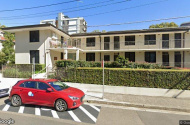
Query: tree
x=8, y=47
x=8, y=53
x=164, y=25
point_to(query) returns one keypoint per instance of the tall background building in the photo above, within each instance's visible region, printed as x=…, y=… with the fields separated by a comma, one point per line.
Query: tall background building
x=69, y=25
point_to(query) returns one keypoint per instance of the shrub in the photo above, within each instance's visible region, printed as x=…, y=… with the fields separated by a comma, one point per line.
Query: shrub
x=120, y=63
x=152, y=78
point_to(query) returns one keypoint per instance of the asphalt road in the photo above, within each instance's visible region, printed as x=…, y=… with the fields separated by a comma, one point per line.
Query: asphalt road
x=106, y=115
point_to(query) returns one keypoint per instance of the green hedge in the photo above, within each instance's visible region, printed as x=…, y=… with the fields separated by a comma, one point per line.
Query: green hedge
x=116, y=64
x=155, y=78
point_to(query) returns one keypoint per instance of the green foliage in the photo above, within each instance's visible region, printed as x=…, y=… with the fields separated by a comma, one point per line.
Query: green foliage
x=153, y=78
x=2, y=58
x=164, y=25
x=120, y=62
x=15, y=73
x=8, y=47
x=21, y=70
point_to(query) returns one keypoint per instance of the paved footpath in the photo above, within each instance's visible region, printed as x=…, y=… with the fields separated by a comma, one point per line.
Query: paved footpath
x=163, y=103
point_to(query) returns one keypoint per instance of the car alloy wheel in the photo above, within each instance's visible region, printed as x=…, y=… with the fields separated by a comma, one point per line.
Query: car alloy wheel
x=16, y=100
x=60, y=105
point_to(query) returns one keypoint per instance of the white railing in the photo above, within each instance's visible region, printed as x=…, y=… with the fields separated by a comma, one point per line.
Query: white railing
x=148, y=44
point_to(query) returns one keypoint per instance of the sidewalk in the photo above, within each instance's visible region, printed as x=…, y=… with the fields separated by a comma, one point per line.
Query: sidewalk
x=139, y=101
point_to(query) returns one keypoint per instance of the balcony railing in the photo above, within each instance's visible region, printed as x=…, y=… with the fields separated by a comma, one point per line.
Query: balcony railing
x=129, y=43
x=153, y=44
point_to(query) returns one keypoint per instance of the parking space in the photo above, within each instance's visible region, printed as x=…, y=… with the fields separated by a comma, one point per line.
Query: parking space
x=85, y=113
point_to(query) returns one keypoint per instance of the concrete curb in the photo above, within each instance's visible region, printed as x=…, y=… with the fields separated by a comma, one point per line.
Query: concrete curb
x=127, y=104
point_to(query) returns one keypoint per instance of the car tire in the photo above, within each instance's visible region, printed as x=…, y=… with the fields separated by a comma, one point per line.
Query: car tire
x=60, y=105
x=16, y=100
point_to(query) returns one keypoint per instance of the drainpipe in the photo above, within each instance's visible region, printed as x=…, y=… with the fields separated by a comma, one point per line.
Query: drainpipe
x=100, y=47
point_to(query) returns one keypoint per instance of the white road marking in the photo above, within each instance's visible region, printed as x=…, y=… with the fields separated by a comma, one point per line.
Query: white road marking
x=88, y=114
x=21, y=109
x=6, y=107
x=94, y=107
x=54, y=113
x=37, y=111
x=74, y=116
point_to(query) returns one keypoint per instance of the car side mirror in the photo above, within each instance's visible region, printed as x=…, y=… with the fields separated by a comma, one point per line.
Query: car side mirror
x=49, y=90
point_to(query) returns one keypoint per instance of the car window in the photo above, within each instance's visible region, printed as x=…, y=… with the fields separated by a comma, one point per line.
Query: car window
x=21, y=85
x=30, y=84
x=58, y=85
x=43, y=86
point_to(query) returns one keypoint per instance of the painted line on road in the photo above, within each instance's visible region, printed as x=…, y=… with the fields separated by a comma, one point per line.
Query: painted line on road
x=74, y=116
x=6, y=107
x=54, y=113
x=21, y=109
x=37, y=111
x=94, y=107
x=88, y=114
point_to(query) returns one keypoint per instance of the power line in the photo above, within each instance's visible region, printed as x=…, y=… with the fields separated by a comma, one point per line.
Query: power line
x=125, y=8
x=125, y=23
x=18, y=17
x=141, y=21
x=35, y=7
x=61, y=9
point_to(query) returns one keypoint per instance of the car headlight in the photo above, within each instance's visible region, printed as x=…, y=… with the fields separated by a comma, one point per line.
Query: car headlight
x=73, y=98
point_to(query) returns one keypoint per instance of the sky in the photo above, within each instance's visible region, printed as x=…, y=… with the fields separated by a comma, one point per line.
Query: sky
x=131, y=11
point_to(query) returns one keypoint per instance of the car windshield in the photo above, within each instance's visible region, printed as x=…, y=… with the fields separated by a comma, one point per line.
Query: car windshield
x=58, y=85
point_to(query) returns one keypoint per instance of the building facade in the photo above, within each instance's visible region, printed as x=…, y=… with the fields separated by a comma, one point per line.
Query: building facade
x=47, y=44
x=68, y=25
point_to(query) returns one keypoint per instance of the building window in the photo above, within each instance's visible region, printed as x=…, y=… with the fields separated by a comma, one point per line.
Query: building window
x=129, y=40
x=150, y=40
x=165, y=40
x=130, y=56
x=115, y=56
x=177, y=40
x=106, y=43
x=106, y=57
x=90, y=56
x=116, y=42
x=165, y=58
x=177, y=59
x=150, y=57
x=61, y=55
x=116, y=38
x=90, y=42
x=34, y=54
x=34, y=36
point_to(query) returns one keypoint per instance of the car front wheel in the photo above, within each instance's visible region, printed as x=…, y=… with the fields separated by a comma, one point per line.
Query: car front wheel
x=60, y=105
x=16, y=100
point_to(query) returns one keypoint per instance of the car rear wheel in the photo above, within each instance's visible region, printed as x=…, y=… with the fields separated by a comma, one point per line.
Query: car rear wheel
x=16, y=100
x=60, y=105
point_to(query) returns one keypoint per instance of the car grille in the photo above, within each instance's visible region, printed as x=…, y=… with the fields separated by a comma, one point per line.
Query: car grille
x=81, y=99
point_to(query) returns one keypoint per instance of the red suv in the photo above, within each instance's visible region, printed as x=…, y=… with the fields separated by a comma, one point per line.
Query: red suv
x=46, y=92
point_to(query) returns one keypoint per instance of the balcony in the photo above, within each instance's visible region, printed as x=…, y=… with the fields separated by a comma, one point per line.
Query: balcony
x=124, y=45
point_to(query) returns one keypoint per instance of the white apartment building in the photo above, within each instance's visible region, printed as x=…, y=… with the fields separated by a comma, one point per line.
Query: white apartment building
x=69, y=25
x=47, y=44
x=51, y=21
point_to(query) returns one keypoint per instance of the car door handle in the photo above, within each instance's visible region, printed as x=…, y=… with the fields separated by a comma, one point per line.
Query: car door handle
x=21, y=89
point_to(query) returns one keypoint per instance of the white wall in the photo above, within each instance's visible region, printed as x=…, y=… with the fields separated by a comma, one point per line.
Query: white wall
x=23, y=46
